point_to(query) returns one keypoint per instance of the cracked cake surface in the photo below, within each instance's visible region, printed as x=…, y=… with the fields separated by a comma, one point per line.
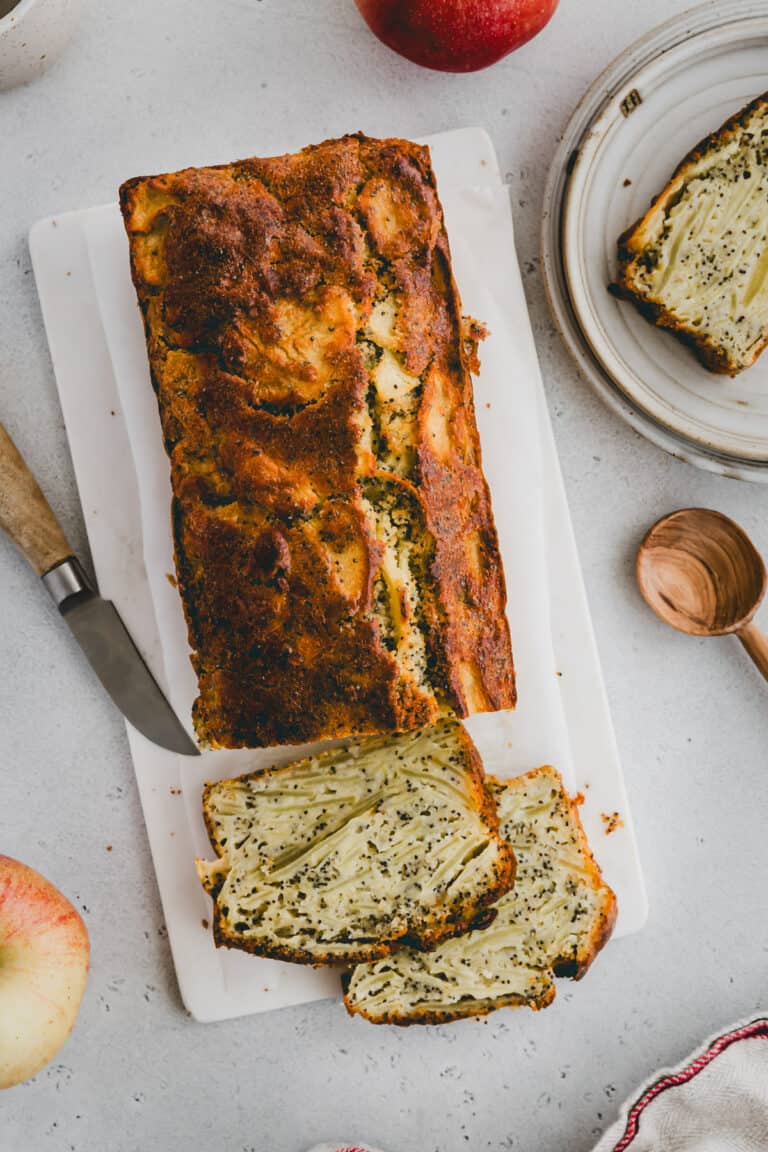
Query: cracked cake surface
x=335, y=546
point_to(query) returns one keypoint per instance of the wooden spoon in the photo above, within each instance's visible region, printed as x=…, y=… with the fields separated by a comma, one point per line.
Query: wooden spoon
x=701, y=573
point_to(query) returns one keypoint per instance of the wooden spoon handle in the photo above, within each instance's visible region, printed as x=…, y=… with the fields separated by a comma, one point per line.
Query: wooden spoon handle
x=756, y=643
x=25, y=514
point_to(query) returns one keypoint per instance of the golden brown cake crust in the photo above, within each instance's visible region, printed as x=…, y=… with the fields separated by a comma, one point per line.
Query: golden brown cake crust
x=312, y=370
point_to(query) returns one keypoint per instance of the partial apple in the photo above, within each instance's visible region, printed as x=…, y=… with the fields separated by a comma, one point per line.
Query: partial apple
x=44, y=954
x=456, y=35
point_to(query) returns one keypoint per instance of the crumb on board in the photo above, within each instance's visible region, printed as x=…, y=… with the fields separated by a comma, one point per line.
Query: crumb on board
x=205, y=923
x=627, y=182
x=578, y=798
x=612, y=822
x=558, y=673
x=175, y=791
x=487, y=403
x=107, y=847
x=171, y=579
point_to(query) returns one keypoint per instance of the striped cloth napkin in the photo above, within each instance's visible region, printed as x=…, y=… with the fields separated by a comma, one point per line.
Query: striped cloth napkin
x=716, y=1101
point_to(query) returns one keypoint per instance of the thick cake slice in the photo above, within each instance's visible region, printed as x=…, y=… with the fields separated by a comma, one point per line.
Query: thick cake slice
x=341, y=856
x=553, y=922
x=697, y=262
x=335, y=546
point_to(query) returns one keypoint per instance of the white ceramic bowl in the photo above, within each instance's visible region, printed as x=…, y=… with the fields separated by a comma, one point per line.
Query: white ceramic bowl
x=31, y=36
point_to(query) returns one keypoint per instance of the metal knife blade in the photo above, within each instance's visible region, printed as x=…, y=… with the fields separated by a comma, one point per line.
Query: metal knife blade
x=117, y=662
x=28, y=519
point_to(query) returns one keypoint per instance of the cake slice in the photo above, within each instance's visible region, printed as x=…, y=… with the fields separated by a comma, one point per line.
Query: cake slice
x=344, y=855
x=553, y=922
x=697, y=262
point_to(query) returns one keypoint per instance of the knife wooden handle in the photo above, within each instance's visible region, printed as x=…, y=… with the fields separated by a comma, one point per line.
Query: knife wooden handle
x=25, y=514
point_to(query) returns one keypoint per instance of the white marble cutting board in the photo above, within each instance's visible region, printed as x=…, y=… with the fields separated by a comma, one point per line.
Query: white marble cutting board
x=92, y=324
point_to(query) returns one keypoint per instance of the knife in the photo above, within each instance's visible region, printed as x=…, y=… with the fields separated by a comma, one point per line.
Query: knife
x=28, y=519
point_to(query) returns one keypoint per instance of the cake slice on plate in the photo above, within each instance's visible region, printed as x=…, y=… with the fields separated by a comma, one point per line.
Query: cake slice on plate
x=553, y=922
x=697, y=262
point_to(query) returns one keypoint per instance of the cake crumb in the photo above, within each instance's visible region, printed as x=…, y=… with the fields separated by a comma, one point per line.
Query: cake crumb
x=578, y=798
x=612, y=822
x=171, y=579
x=175, y=791
x=627, y=182
x=108, y=848
x=205, y=923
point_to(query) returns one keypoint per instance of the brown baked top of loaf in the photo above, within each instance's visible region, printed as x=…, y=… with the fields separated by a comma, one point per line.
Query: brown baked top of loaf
x=335, y=547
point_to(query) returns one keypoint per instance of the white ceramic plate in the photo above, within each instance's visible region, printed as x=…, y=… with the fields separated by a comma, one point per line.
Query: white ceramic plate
x=640, y=118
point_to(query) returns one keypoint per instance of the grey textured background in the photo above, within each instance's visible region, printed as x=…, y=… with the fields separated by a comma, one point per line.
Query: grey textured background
x=149, y=87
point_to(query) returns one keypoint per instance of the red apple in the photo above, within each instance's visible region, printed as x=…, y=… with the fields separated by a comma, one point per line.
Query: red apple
x=456, y=35
x=43, y=968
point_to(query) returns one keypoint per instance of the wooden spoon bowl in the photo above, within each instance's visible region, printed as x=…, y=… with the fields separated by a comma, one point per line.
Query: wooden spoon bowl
x=701, y=573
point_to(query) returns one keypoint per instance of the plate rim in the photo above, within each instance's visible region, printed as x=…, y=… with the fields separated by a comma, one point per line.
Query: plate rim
x=606, y=89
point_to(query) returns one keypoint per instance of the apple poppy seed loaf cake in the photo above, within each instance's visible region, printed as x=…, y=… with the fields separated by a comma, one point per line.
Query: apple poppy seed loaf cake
x=343, y=855
x=697, y=262
x=335, y=547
